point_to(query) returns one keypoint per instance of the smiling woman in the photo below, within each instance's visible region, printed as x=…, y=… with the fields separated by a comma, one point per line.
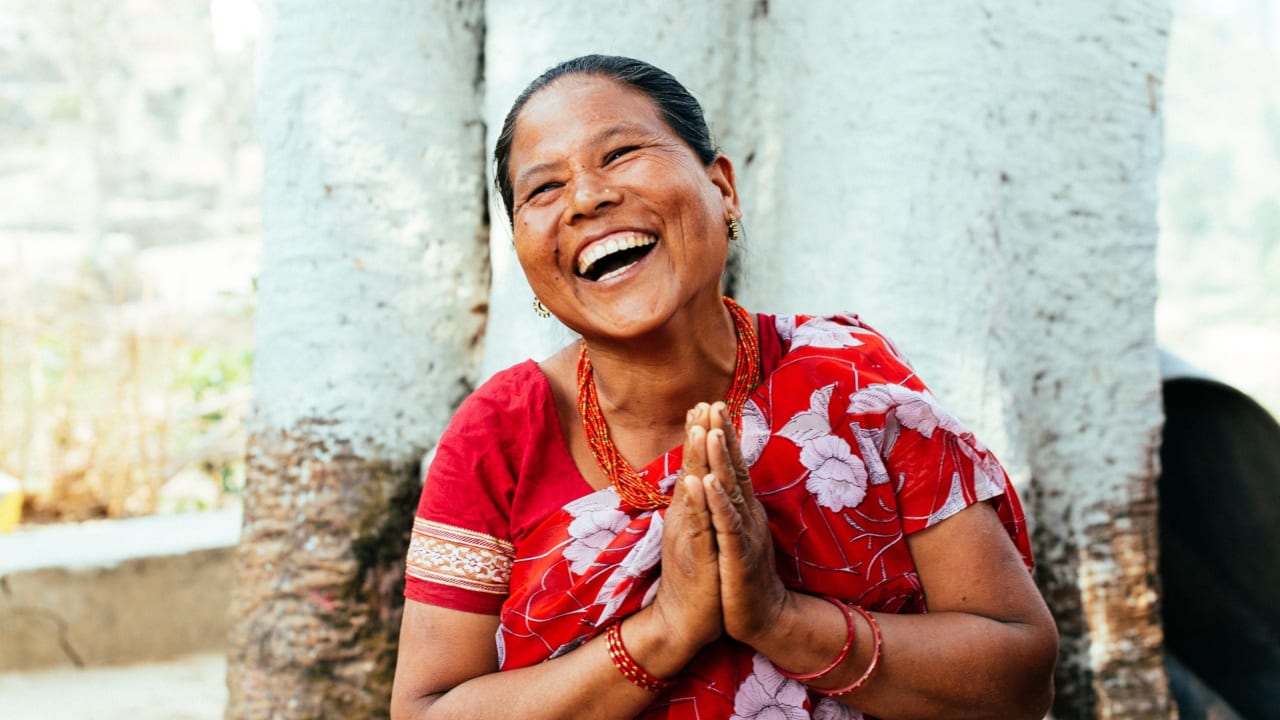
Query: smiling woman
x=697, y=511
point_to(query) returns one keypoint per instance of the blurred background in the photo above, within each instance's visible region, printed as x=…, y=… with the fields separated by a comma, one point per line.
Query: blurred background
x=129, y=237
x=129, y=241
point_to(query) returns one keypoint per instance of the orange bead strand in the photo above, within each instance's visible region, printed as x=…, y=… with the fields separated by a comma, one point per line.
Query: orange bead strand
x=634, y=490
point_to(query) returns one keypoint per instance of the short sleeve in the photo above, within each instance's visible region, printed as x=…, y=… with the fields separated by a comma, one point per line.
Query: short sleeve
x=938, y=469
x=936, y=466
x=460, y=550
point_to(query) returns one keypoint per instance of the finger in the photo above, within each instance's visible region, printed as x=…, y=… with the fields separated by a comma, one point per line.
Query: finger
x=718, y=462
x=725, y=518
x=697, y=525
x=702, y=415
x=695, y=446
x=742, y=473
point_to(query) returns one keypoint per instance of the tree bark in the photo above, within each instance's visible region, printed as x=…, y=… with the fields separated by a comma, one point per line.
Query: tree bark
x=371, y=303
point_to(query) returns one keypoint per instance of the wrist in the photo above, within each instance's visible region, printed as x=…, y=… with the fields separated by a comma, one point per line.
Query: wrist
x=777, y=627
x=655, y=646
x=808, y=633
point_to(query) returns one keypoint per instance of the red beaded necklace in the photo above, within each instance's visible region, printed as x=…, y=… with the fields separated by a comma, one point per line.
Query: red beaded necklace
x=634, y=490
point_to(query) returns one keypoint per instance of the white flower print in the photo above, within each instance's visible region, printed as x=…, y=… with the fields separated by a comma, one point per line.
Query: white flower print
x=598, y=500
x=766, y=695
x=832, y=709
x=955, y=503
x=988, y=476
x=836, y=475
x=870, y=443
x=786, y=327
x=640, y=558
x=825, y=333
x=812, y=423
x=755, y=432
x=916, y=410
x=591, y=531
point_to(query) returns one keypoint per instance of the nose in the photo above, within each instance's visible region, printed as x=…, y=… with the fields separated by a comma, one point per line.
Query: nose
x=590, y=195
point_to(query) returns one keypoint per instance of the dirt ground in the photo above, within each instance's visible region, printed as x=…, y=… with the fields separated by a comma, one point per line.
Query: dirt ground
x=188, y=688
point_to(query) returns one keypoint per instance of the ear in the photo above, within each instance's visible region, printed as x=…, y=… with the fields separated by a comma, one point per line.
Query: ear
x=720, y=171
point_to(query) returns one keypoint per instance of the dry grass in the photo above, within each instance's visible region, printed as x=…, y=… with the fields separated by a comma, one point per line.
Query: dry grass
x=112, y=405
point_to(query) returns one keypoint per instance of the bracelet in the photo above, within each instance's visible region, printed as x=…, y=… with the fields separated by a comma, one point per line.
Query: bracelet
x=627, y=665
x=875, y=659
x=844, y=651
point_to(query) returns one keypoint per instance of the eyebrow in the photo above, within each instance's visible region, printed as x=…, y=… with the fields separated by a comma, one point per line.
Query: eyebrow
x=599, y=138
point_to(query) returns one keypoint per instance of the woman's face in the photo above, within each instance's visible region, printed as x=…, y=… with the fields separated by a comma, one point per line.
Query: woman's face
x=618, y=225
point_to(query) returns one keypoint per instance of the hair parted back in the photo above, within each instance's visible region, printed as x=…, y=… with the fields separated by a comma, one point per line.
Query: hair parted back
x=679, y=108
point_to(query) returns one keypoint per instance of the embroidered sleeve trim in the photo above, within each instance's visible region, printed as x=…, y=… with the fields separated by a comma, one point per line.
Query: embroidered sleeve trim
x=459, y=558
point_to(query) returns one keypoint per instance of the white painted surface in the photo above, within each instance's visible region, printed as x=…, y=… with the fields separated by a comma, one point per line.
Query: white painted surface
x=373, y=278
x=703, y=44
x=107, y=543
x=876, y=186
x=979, y=182
x=186, y=688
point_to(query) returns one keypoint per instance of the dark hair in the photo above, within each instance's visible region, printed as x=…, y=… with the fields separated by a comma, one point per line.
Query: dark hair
x=679, y=108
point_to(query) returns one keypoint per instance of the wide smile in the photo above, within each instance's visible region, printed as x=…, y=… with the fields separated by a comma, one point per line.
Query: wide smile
x=611, y=256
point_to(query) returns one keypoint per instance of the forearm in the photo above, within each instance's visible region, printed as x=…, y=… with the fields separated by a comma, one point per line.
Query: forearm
x=582, y=683
x=944, y=664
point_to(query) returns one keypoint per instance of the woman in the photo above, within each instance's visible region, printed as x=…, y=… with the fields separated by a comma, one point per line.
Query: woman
x=599, y=516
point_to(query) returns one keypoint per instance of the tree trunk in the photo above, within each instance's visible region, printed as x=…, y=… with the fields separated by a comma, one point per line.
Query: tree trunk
x=979, y=181
x=371, y=302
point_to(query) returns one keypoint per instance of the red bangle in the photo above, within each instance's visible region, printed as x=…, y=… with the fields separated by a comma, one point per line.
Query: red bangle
x=627, y=665
x=844, y=651
x=875, y=659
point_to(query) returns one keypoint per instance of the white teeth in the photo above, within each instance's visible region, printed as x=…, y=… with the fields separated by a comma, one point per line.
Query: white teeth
x=593, y=254
x=613, y=273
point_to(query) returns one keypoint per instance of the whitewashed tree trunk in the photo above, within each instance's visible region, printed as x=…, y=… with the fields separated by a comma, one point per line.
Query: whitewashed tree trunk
x=370, y=307
x=979, y=182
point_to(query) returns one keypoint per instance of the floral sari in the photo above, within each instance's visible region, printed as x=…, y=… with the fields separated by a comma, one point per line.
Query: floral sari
x=849, y=453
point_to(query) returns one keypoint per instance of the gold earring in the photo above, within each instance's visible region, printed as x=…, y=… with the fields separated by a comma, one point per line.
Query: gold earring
x=540, y=309
x=735, y=229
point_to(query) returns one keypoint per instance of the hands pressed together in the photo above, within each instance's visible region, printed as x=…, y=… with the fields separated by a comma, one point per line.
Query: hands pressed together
x=718, y=571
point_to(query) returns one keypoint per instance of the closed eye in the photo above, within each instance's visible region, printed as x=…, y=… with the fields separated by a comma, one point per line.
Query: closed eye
x=541, y=189
x=615, y=154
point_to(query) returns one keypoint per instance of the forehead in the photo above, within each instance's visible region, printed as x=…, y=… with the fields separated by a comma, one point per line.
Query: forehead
x=577, y=109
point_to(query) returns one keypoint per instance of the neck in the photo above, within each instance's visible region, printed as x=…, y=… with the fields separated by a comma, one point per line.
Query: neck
x=654, y=380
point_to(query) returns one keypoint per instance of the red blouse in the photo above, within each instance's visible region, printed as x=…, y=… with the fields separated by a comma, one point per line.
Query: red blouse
x=849, y=453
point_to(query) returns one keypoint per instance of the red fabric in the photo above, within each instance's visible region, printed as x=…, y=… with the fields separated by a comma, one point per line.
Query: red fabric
x=507, y=429
x=848, y=453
